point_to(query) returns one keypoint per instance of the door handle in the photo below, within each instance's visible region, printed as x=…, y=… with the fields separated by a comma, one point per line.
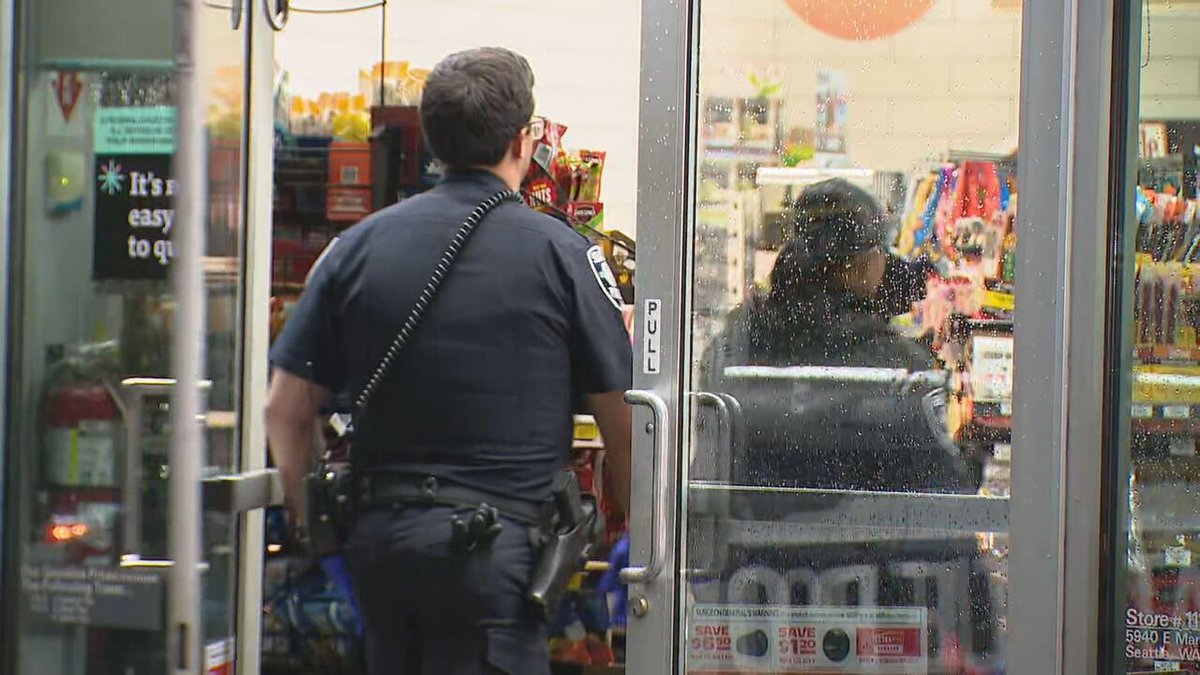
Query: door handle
x=660, y=490
x=737, y=420
x=719, y=403
x=240, y=492
x=135, y=391
x=731, y=428
x=135, y=561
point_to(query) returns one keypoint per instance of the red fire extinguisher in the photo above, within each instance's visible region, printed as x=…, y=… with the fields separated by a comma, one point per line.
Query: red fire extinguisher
x=82, y=423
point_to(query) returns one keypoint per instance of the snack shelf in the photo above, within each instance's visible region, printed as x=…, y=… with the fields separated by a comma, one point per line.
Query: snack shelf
x=587, y=434
x=1172, y=469
x=722, y=153
x=1168, y=506
x=801, y=176
x=1163, y=354
x=1180, y=419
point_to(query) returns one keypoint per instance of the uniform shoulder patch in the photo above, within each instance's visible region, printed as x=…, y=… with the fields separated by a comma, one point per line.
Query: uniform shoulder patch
x=604, y=276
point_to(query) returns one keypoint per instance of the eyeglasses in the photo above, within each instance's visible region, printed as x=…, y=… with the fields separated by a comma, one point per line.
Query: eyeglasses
x=536, y=127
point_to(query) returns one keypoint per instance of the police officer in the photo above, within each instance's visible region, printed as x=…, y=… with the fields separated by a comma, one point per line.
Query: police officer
x=477, y=408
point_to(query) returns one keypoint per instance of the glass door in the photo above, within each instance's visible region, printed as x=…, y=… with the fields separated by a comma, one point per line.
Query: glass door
x=132, y=272
x=830, y=416
x=1151, y=585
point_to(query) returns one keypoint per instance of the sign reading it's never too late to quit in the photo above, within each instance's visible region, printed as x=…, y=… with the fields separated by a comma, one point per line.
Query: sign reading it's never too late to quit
x=134, y=193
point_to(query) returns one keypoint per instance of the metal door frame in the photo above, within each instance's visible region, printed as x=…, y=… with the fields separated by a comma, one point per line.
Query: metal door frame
x=9, y=43
x=259, y=185
x=16, y=36
x=185, y=641
x=665, y=162
x=258, y=189
x=1116, y=450
x=1066, y=66
x=1063, y=180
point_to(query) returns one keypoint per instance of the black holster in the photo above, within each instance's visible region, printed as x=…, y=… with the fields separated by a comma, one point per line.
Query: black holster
x=564, y=543
x=331, y=508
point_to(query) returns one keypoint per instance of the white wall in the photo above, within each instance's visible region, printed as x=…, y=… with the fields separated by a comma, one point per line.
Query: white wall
x=949, y=82
x=585, y=57
x=1171, y=65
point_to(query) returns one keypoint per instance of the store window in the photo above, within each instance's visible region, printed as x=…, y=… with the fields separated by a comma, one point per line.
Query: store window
x=851, y=336
x=90, y=338
x=1153, y=473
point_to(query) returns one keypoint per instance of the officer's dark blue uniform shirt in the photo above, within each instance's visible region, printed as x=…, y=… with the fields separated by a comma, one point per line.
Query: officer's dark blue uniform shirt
x=525, y=324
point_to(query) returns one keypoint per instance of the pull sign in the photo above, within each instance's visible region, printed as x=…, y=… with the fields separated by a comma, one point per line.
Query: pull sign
x=652, y=338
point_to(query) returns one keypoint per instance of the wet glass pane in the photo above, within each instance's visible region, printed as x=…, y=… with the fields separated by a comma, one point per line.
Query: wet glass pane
x=1157, y=521
x=93, y=328
x=851, y=337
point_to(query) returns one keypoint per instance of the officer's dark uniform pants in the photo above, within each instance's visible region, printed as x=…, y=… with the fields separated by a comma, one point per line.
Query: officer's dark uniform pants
x=430, y=609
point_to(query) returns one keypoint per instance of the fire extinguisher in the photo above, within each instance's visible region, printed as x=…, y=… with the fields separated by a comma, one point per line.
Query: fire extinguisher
x=82, y=423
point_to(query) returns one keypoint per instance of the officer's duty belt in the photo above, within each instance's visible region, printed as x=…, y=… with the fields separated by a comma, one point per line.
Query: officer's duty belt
x=380, y=489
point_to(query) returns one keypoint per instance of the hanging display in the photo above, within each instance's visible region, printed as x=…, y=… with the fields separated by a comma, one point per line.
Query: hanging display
x=860, y=20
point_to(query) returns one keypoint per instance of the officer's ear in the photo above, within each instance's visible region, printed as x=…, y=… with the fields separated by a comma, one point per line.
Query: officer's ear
x=521, y=147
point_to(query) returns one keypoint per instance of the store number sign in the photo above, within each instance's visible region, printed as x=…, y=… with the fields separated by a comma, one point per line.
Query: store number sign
x=134, y=193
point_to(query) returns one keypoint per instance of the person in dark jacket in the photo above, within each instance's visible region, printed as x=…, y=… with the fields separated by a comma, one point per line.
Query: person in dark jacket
x=832, y=396
x=824, y=395
x=834, y=286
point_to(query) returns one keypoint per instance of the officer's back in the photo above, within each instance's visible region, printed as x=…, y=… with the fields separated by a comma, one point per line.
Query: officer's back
x=484, y=390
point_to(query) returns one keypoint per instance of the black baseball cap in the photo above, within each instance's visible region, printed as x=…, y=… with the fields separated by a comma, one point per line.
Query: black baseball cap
x=834, y=220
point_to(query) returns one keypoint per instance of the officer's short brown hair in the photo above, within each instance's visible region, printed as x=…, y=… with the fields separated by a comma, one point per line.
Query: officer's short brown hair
x=475, y=102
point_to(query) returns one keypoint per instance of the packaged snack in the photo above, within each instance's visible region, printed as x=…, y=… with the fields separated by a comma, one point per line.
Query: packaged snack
x=586, y=215
x=391, y=75
x=548, y=180
x=413, y=86
x=591, y=173
x=548, y=155
x=542, y=193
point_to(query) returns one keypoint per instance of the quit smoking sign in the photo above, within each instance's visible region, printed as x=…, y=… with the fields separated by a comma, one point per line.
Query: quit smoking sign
x=135, y=215
x=134, y=192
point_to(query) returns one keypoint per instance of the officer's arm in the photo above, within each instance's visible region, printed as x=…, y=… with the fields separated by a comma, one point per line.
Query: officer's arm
x=602, y=355
x=615, y=420
x=292, y=408
x=305, y=368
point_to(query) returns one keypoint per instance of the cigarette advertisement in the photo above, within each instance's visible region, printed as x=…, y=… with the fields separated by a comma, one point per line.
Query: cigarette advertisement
x=727, y=639
x=992, y=368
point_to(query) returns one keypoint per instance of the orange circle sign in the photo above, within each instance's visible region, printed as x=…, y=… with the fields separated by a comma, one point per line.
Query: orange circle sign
x=860, y=20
